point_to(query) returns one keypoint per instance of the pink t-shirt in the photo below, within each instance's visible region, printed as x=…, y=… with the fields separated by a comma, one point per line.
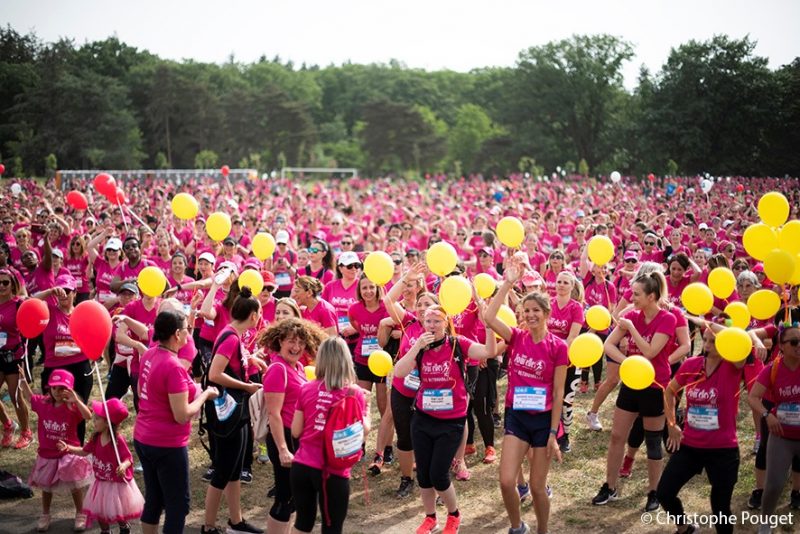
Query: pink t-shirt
x=339, y=297
x=211, y=328
x=323, y=314
x=281, y=377
x=662, y=323
x=324, y=275
x=442, y=392
x=127, y=272
x=136, y=310
x=77, y=268
x=59, y=347
x=550, y=282
x=531, y=368
x=675, y=290
x=785, y=393
x=39, y=280
x=599, y=294
x=712, y=403
x=104, y=274
x=162, y=375
x=561, y=319
x=366, y=324
x=104, y=460
x=231, y=349
x=55, y=423
x=315, y=402
x=184, y=296
x=10, y=338
x=411, y=332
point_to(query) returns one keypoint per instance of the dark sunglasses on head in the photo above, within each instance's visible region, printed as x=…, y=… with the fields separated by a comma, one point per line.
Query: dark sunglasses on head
x=352, y=266
x=5, y=283
x=793, y=342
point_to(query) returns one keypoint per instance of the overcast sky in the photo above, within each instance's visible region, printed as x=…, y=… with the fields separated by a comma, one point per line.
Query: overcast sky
x=429, y=34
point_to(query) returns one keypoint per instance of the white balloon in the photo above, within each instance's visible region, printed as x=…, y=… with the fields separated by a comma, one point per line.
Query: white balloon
x=706, y=185
x=16, y=189
x=616, y=177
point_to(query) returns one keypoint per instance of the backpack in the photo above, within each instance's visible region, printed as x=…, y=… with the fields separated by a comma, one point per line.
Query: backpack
x=12, y=487
x=232, y=402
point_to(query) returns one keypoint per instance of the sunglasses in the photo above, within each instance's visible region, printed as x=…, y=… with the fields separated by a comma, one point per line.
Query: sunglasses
x=406, y=228
x=729, y=250
x=650, y=243
x=631, y=261
x=397, y=262
x=8, y=222
x=557, y=258
x=313, y=250
x=132, y=246
x=347, y=242
x=793, y=342
x=5, y=283
x=67, y=291
x=351, y=266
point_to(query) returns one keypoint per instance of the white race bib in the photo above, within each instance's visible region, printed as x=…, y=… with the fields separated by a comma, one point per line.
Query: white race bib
x=411, y=381
x=224, y=406
x=208, y=322
x=530, y=398
x=789, y=413
x=347, y=441
x=434, y=400
x=703, y=417
x=344, y=322
x=66, y=347
x=283, y=279
x=3, y=339
x=369, y=345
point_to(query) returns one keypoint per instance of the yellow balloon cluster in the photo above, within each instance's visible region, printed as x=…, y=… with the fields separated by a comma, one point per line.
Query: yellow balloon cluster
x=600, y=249
x=773, y=242
x=380, y=363
x=378, y=267
x=253, y=280
x=510, y=232
x=184, y=206
x=759, y=240
x=152, y=281
x=263, y=245
x=218, y=226
x=637, y=372
x=441, y=258
x=598, y=319
x=484, y=285
x=585, y=350
x=733, y=344
x=773, y=208
x=722, y=282
x=455, y=294
x=697, y=299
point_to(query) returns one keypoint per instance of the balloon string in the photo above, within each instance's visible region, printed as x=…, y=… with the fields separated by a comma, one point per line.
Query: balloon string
x=108, y=415
x=121, y=212
x=139, y=220
x=608, y=300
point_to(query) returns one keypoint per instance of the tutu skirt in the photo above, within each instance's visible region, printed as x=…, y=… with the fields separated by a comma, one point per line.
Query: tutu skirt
x=61, y=474
x=111, y=502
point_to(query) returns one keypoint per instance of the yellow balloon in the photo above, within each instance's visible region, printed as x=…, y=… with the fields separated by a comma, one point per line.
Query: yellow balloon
x=510, y=232
x=311, y=372
x=722, y=282
x=697, y=299
x=152, y=281
x=779, y=266
x=585, y=350
x=598, y=318
x=739, y=314
x=263, y=245
x=484, y=285
x=218, y=226
x=507, y=316
x=637, y=372
x=184, y=206
x=253, y=280
x=380, y=363
x=441, y=258
x=789, y=237
x=600, y=249
x=379, y=268
x=763, y=304
x=773, y=208
x=795, y=279
x=759, y=240
x=455, y=294
x=733, y=344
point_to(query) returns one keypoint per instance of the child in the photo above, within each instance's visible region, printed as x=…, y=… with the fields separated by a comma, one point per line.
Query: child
x=113, y=497
x=59, y=413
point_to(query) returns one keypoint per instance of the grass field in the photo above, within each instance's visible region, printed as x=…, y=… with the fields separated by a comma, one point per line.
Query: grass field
x=375, y=509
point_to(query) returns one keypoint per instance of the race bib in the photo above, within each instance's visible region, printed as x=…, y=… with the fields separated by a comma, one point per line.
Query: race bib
x=344, y=322
x=187, y=309
x=434, y=400
x=567, y=239
x=103, y=296
x=369, y=345
x=3, y=339
x=224, y=406
x=65, y=348
x=530, y=398
x=703, y=417
x=347, y=441
x=209, y=322
x=411, y=381
x=283, y=279
x=789, y=413
x=78, y=283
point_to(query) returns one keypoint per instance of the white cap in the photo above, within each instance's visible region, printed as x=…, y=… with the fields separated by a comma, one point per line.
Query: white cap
x=282, y=237
x=229, y=265
x=726, y=223
x=57, y=252
x=209, y=257
x=348, y=258
x=702, y=226
x=114, y=244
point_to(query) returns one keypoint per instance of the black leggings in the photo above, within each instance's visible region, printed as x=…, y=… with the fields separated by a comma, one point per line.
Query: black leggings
x=228, y=457
x=482, y=403
x=118, y=384
x=570, y=383
x=435, y=444
x=307, y=492
x=722, y=469
x=402, y=408
x=283, y=506
x=82, y=372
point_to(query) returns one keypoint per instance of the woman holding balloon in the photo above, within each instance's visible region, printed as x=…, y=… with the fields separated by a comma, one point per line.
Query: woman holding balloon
x=537, y=371
x=648, y=329
x=12, y=352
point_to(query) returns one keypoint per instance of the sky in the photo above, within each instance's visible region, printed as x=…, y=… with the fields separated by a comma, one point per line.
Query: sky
x=429, y=34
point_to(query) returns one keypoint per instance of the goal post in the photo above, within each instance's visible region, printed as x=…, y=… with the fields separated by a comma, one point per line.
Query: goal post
x=353, y=172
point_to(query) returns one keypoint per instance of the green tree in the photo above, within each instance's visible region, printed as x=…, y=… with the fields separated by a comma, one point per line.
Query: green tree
x=472, y=128
x=206, y=159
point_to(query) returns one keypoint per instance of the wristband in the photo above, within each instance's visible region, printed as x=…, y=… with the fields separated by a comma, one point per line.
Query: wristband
x=554, y=432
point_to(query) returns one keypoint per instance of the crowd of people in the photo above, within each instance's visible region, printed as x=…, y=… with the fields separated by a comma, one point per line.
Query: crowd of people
x=266, y=371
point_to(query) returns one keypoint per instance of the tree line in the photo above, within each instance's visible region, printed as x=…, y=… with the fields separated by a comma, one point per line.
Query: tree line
x=714, y=106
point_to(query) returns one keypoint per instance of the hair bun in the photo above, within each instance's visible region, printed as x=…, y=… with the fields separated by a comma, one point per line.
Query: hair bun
x=246, y=292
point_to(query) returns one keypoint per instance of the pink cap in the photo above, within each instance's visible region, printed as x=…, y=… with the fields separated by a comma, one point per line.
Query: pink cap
x=117, y=410
x=61, y=377
x=269, y=279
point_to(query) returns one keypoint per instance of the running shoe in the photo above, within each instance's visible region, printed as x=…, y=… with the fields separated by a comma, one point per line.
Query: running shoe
x=80, y=522
x=452, y=525
x=246, y=477
x=652, y=503
x=242, y=527
x=754, y=502
x=524, y=492
x=593, y=420
x=523, y=529
x=212, y=530
x=375, y=467
x=43, y=525
x=584, y=387
x=604, y=495
x=428, y=526
x=24, y=440
x=490, y=455
x=388, y=455
x=8, y=433
x=208, y=475
x=406, y=487
x=469, y=449
x=263, y=457
x=627, y=467
x=564, y=445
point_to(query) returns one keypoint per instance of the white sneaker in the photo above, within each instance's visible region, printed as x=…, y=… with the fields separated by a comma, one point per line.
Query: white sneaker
x=594, y=422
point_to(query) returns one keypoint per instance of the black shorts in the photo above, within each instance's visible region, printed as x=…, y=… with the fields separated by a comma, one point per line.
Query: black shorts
x=10, y=368
x=363, y=373
x=648, y=402
x=402, y=408
x=533, y=429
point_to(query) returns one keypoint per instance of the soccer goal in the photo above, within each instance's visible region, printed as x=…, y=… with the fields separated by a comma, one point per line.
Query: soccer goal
x=330, y=171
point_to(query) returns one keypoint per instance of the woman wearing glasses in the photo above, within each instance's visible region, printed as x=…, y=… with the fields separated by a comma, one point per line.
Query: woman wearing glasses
x=555, y=264
x=77, y=263
x=320, y=262
x=341, y=293
x=651, y=249
x=12, y=351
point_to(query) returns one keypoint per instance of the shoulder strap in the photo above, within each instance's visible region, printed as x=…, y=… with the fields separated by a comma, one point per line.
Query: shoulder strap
x=458, y=355
x=225, y=335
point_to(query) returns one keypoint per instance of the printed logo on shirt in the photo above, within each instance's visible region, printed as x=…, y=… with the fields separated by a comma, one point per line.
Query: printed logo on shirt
x=437, y=372
x=789, y=391
x=702, y=395
x=529, y=367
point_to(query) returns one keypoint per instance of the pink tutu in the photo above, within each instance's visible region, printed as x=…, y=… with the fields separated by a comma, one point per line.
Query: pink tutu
x=61, y=474
x=111, y=502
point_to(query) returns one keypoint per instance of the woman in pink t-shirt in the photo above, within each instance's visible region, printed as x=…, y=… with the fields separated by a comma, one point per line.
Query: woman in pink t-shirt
x=12, y=352
x=341, y=294
x=437, y=426
x=288, y=341
x=681, y=271
x=708, y=439
x=334, y=379
x=537, y=371
x=555, y=264
x=649, y=330
x=306, y=292
x=107, y=267
x=76, y=261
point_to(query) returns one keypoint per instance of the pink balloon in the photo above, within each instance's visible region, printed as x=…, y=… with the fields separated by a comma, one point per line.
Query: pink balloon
x=77, y=200
x=32, y=317
x=225, y=170
x=90, y=327
x=105, y=184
